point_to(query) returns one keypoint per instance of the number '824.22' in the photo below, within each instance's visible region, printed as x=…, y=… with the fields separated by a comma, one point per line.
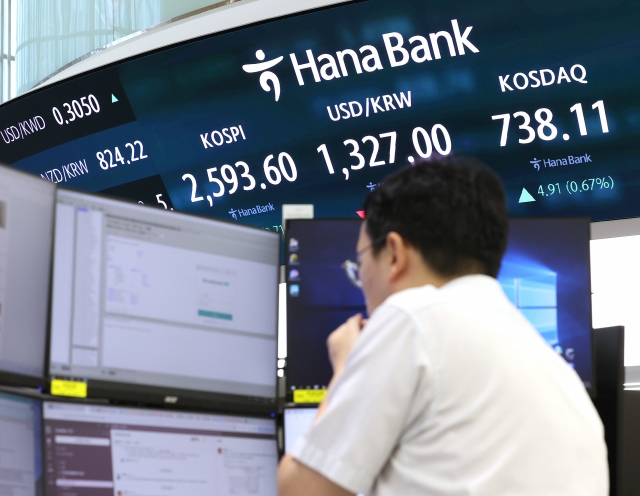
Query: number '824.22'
x=115, y=157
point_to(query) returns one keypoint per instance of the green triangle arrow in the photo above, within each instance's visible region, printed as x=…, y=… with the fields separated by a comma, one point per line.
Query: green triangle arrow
x=113, y=98
x=526, y=197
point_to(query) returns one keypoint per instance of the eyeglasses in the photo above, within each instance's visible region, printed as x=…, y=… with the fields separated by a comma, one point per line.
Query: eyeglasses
x=352, y=269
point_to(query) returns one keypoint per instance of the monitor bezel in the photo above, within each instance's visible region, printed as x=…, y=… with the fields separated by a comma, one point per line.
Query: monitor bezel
x=23, y=380
x=150, y=394
x=106, y=403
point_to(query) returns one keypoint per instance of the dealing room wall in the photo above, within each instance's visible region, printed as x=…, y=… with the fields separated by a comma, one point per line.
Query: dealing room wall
x=53, y=33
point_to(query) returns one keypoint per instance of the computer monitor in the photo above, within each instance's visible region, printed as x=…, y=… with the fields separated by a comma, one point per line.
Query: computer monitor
x=546, y=274
x=26, y=239
x=172, y=306
x=21, y=468
x=93, y=449
x=297, y=422
x=320, y=297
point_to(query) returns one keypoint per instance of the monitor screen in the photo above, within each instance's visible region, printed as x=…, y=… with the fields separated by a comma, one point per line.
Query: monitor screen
x=545, y=273
x=26, y=239
x=21, y=467
x=319, y=107
x=320, y=297
x=145, y=296
x=95, y=450
x=615, y=284
x=297, y=422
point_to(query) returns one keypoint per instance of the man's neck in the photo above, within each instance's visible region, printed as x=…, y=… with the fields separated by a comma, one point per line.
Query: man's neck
x=421, y=274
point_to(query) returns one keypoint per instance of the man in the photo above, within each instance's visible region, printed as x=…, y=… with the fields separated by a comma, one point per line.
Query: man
x=447, y=389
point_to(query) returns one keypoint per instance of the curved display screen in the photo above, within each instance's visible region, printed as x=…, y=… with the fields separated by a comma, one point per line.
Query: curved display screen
x=320, y=107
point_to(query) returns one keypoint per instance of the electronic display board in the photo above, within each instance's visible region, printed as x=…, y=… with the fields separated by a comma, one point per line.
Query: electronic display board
x=320, y=107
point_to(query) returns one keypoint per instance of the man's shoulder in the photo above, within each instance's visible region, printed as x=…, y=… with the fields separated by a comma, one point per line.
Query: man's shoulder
x=460, y=290
x=412, y=299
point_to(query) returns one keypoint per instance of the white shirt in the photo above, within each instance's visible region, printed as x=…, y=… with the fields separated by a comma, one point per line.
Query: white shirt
x=451, y=391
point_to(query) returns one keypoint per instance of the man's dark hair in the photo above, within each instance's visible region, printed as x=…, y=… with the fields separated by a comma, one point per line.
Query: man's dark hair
x=452, y=210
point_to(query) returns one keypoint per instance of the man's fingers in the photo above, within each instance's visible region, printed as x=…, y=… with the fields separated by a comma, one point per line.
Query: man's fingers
x=357, y=317
x=359, y=321
x=354, y=323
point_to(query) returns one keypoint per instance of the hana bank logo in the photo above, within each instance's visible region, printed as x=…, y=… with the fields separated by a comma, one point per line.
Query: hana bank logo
x=267, y=76
x=366, y=59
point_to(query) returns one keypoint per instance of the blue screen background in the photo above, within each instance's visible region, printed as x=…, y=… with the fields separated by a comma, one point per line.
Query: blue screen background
x=546, y=274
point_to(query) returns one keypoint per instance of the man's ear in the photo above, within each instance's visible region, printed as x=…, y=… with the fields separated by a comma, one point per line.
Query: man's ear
x=397, y=249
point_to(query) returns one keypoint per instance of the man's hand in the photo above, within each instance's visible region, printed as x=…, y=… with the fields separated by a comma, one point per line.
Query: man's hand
x=342, y=340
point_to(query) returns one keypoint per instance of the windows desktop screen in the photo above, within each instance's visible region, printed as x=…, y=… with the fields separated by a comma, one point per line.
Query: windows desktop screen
x=545, y=273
